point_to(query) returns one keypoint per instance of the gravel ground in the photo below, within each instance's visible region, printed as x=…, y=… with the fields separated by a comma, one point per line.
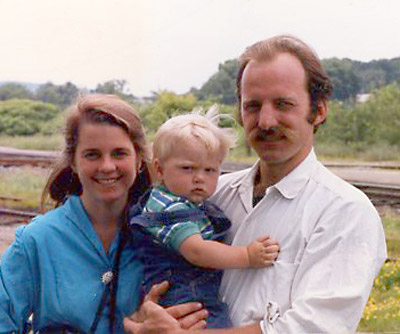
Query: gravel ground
x=386, y=176
x=7, y=235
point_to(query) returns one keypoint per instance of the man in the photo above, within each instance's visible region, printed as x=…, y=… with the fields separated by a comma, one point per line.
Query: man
x=331, y=237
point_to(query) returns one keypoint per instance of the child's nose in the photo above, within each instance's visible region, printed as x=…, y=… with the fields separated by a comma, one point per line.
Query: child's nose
x=198, y=177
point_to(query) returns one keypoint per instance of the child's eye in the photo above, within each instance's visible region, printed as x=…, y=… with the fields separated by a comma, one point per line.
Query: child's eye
x=187, y=168
x=210, y=170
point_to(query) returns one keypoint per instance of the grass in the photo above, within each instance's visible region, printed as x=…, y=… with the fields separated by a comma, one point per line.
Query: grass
x=357, y=152
x=382, y=312
x=36, y=142
x=25, y=183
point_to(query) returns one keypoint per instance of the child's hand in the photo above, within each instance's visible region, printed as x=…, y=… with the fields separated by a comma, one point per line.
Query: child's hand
x=262, y=252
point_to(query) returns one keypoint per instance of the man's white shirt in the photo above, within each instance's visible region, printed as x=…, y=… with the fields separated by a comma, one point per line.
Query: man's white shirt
x=332, y=245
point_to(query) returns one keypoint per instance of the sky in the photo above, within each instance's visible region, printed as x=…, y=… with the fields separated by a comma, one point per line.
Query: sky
x=177, y=44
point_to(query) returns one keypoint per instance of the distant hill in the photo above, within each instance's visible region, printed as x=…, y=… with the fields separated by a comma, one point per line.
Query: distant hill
x=349, y=77
x=32, y=87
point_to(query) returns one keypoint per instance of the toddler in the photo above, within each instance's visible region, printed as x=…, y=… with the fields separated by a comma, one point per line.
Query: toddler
x=180, y=230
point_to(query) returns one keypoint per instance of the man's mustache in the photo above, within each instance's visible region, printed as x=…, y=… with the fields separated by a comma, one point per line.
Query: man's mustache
x=266, y=134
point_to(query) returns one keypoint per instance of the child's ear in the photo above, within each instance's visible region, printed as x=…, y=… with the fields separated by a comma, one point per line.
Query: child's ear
x=158, y=168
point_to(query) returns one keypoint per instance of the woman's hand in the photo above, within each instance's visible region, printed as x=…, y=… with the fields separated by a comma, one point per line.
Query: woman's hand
x=152, y=318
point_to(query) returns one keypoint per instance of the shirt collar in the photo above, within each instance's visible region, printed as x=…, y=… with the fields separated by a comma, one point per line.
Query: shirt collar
x=290, y=185
x=77, y=214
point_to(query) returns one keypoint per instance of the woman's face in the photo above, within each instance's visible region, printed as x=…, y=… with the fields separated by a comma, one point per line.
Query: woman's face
x=106, y=163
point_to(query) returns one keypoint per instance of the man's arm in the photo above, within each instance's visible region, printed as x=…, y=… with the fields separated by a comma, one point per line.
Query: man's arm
x=213, y=254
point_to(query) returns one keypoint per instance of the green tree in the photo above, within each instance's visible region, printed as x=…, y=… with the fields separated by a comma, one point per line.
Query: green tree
x=60, y=95
x=14, y=91
x=221, y=87
x=346, y=84
x=347, y=124
x=116, y=87
x=25, y=117
x=165, y=105
x=384, y=106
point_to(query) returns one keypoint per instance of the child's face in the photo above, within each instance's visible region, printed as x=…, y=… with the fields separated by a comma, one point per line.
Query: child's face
x=191, y=172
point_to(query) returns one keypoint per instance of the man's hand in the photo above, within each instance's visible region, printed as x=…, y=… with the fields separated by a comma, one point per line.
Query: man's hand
x=152, y=318
x=262, y=252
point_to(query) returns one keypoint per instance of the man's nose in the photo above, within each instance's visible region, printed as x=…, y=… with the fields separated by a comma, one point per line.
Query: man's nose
x=267, y=118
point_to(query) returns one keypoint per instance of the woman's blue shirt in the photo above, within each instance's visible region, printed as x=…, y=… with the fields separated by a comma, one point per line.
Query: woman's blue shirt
x=54, y=268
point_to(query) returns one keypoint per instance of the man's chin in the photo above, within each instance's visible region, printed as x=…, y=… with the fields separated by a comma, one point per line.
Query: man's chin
x=271, y=157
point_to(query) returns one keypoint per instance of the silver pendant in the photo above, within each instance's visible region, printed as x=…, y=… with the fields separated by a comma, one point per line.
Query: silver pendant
x=107, y=277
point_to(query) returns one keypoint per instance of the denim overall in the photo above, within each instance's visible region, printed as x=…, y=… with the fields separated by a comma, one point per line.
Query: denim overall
x=160, y=263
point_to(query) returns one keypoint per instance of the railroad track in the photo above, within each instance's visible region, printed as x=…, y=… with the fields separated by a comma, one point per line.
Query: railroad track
x=17, y=157
x=12, y=217
x=380, y=195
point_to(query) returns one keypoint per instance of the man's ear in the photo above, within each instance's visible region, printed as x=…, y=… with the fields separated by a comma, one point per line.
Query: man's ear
x=321, y=114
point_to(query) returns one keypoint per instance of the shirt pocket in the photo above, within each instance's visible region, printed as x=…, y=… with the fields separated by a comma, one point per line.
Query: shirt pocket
x=280, y=281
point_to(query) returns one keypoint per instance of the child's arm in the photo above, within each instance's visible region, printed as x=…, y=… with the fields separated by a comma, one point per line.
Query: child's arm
x=213, y=254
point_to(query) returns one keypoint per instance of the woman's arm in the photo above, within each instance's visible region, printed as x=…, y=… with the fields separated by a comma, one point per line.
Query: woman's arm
x=16, y=286
x=212, y=254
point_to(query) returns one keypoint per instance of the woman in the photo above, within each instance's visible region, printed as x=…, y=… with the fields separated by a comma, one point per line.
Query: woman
x=74, y=268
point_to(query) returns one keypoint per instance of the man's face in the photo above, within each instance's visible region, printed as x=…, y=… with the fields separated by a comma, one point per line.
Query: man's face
x=274, y=109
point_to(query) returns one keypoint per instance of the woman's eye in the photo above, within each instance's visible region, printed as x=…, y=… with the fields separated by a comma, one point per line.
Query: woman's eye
x=120, y=154
x=91, y=155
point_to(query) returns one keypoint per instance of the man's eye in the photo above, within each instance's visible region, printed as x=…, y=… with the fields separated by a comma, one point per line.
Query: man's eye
x=251, y=106
x=284, y=105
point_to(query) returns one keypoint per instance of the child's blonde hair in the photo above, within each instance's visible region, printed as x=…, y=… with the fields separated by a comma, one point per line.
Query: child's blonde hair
x=193, y=127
